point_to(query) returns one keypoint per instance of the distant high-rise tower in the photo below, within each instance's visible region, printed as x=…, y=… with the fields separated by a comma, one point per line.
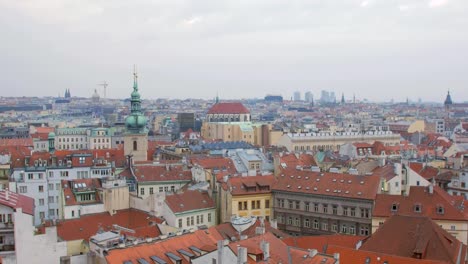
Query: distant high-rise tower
x=297, y=96
x=67, y=93
x=308, y=97
x=342, y=98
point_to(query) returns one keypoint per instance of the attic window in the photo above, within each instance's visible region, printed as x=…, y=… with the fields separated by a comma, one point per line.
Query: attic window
x=440, y=210
x=394, y=207
x=417, y=208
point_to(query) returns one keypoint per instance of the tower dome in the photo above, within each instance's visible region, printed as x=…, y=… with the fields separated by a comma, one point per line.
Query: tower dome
x=136, y=121
x=448, y=99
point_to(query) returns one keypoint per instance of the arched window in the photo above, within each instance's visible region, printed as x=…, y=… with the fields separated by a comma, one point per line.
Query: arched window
x=135, y=146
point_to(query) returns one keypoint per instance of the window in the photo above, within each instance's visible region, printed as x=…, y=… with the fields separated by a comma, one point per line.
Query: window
x=306, y=206
x=180, y=223
x=191, y=220
x=51, y=186
x=291, y=204
x=352, y=230
x=188, y=221
x=64, y=174
x=365, y=213
x=41, y=188
x=417, y=208
x=344, y=229
x=297, y=222
x=161, y=189
x=135, y=145
x=51, y=212
x=417, y=183
x=364, y=231
x=335, y=209
x=82, y=160
x=306, y=222
x=267, y=204
x=397, y=184
x=239, y=206
x=345, y=211
x=42, y=215
x=198, y=219
x=281, y=203
x=41, y=201
x=209, y=217
x=290, y=220
x=142, y=191
x=23, y=189
x=440, y=209
x=325, y=226
x=253, y=205
x=325, y=208
x=452, y=228
x=334, y=227
x=258, y=204
x=394, y=207
x=172, y=188
x=316, y=207
x=57, y=186
x=201, y=219
x=51, y=174
x=316, y=224
x=298, y=205
x=166, y=188
x=151, y=190
x=50, y=199
x=30, y=176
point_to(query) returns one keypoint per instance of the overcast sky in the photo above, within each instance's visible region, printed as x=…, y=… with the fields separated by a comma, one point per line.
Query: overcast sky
x=377, y=49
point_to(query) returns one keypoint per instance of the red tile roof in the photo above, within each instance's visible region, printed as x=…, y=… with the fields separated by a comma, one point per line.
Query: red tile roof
x=228, y=108
x=202, y=239
x=151, y=173
x=218, y=163
x=15, y=201
x=349, y=255
x=410, y=236
x=328, y=184
x=429, y=203
x=318, y=242
x=387, y=172
x=303, y=160
x=249, y=185
x=429, y=172
x=87, y=225
x=26, y=142
x=188, y=200
x=44, y=130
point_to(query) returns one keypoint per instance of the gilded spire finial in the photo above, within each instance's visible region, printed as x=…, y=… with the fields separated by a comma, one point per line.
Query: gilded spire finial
x=135, y=78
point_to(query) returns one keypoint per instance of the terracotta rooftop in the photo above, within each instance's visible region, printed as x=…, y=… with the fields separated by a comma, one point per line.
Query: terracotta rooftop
x=415, y=237
x=88, y=225
x=215, y=163
x=228, y=108
x=151, y=173
x=328, y=184
x=202, y=239
x=319, y=242
x=188, y=200
x=15, y=201
x=420, y=202
x=249, y=185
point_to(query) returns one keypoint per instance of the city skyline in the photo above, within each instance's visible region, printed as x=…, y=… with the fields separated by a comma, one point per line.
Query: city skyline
x=374, y=49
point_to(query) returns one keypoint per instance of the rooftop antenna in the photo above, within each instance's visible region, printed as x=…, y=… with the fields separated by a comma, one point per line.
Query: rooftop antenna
x=104, y=84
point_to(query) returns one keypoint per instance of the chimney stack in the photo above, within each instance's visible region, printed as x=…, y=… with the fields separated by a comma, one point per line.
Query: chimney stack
x=241, y=255
x=313, y=252
x=431, y=188
x=265, y=249
x=220, y=251
x=7, y=195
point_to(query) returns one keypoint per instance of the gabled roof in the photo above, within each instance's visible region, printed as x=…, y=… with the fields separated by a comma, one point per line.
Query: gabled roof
x=152, y=173
x=318, y=242
x=215, y=163
x=202, y=239
x=417, y=237
x=228, y=108
x=329, y=184
x=429, y=204
x=249, y=185
x=188, y=200
x=15, y=201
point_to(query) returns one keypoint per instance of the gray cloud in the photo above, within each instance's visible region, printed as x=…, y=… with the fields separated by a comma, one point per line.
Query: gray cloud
x=378, y=49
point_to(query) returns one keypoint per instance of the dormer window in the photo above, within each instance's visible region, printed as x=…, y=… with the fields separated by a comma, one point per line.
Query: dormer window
x=440, y=210
x=394, y=207
x=417, y=208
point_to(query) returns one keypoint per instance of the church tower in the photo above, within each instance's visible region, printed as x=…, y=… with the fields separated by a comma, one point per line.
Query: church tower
x=136, y=134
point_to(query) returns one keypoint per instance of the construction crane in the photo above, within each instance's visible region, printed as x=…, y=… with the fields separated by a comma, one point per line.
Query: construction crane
x=104, y=84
